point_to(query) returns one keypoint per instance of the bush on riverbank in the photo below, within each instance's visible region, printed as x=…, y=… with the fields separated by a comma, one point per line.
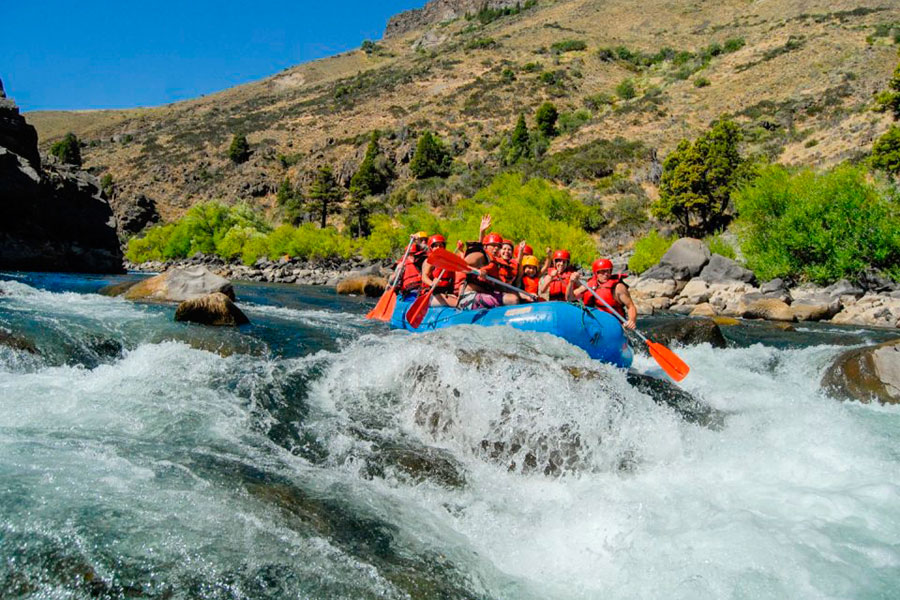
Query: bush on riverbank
x=818, y=227
x=534, y=210
x=649, y=250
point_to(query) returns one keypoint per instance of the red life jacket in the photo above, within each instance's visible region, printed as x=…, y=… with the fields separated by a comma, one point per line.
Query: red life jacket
x=502, y=270
x=411, y=276
x=559, y=283
x=530, y=284
x=606, y=291
x=446, y=280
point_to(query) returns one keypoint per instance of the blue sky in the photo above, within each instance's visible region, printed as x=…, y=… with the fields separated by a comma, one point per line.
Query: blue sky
x=100, y=54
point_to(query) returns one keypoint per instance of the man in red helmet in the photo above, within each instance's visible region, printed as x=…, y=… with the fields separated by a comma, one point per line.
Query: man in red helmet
x=610, y=287
x=474, y=291
x=443, y=294
x=555, y=284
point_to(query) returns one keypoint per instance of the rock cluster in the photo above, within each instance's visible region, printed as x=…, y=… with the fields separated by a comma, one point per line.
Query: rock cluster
x=689, y=280
x=866, y=374
x=52, y=217
x=329, y=271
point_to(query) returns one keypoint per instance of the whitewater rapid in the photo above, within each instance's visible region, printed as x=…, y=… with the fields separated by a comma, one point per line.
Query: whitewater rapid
x=470, y=463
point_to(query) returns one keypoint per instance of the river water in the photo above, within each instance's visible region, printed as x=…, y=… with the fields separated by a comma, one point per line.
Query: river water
x=313, y=454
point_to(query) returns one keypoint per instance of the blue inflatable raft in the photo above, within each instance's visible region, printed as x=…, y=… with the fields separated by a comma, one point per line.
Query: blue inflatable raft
x=596, y=332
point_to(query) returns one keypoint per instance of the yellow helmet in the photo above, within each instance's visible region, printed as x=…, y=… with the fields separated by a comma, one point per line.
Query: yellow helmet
x=530, y=261
x=421, y=234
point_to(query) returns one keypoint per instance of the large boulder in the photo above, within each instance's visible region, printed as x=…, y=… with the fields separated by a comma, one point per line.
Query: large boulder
x=686, y=258
x=687, y=332
x=720, y=269
x=211, y=309
x=769, y=309
x=134, y=215
x=366, y=285
x=180, y=284
x=648, y=287
x=866, y=374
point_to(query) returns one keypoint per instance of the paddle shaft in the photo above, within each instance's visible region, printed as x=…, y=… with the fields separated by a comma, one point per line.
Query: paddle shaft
x=401, y=264
x=451, y=262
x=503, y=284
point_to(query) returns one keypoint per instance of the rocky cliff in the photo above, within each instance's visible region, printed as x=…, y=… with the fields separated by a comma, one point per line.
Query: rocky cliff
x=437, y=11
x=52, y=217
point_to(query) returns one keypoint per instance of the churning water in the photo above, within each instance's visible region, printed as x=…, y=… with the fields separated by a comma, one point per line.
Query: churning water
x=313, y=454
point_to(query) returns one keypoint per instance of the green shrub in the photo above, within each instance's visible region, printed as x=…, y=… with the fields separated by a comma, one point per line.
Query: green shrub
x=886, y=152
x=626, y=90
x=648, y=251
x=568, y=46
x=481, y=44
x=817, y=227
x=598, y=101
x=68, y=150
x=532, y=67
x=239, y=150
x=545, y=119
x=701, y=82
x=570, y=122
x=717, y=245
x=630, y=211
x=733, y=44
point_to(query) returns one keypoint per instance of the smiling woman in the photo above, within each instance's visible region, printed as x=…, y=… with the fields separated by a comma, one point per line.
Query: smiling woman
x=138, y=57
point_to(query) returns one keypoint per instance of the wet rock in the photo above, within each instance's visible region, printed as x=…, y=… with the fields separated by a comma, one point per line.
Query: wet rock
x=720, y=269
x=767, y=308
x=669, y=394
x=725, y=321
x=180, y=284
x=16, y=342
x=866, y=374
x=687, y=332
x=368, y=285
x=117, y=289
x=420, y=463
x=212, y=309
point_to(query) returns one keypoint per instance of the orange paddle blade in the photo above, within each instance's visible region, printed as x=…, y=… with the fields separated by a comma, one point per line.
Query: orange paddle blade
x=447, y=260
x=676, y=368
x=385, y=307
x=418, y=310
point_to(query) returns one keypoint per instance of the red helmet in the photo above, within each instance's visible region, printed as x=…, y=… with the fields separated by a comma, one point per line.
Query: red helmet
x=562, y=254
x=492, y=238
x=508, y=243
x=602, y=264
x=528, y=250
x=437, y=239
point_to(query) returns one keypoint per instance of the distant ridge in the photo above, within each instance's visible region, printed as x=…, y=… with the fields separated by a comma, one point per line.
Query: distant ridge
x=438, y=11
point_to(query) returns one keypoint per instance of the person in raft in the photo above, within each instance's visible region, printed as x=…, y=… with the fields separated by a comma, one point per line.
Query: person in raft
x=411, y=276
x=444, y=292
x=555, y=284
x=610, y=287
x=476, y=292
x=528, y=275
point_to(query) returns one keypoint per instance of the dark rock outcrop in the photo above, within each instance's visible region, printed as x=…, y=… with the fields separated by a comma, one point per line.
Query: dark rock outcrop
x=135, y=215
x=212, y=309
x=687, y=332
x=437, y=11
x=52, y=217
x=720, y=269
x=866, y=374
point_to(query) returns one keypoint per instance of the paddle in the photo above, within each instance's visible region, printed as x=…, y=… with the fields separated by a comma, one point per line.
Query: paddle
x=676, y=368
x=451, y=262
x=385, y=306
x=417, y=310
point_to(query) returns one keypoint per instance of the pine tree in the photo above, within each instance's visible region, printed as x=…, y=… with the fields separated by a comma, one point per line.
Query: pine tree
x=290, y=202
x=431, y=158
x=325, y=193
x=239, y=150
x=519, y=146
x=372, y=178
x=68, y=150
x=886, y=152
x=698, y=179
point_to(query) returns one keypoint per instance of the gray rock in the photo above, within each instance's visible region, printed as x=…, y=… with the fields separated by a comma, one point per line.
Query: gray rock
x=686, y=258
x=775, y=285
x=866, y=374
x=179, y=284
x=844, y=288
x=720, y=269
x=211, y=309
x=659, y=272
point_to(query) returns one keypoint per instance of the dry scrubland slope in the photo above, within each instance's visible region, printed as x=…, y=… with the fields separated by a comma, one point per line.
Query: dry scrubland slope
x=800, y=85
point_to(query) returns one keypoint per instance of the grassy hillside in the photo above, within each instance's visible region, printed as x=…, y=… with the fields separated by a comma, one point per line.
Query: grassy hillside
x=798, y=75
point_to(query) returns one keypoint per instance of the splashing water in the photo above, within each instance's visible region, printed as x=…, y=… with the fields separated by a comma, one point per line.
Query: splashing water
x=313, y=454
